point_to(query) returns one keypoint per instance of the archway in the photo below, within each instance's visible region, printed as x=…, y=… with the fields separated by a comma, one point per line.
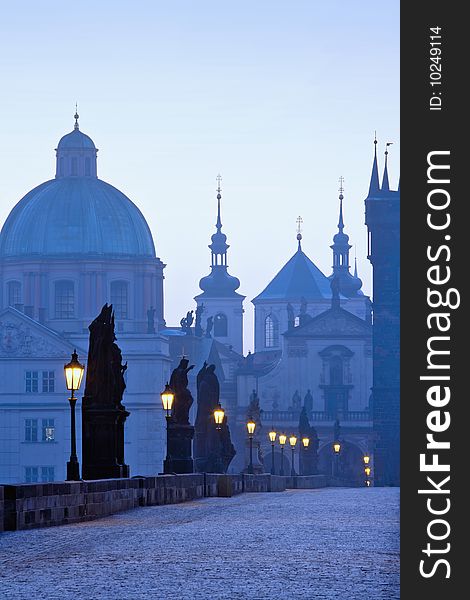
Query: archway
x=350, y=465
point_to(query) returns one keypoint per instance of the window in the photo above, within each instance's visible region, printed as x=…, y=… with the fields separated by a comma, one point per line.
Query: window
x=74, y=166
x=336, y=370
x=47, y=474
x=32, y=381
x=48, y=430
x=87, y=166
x=220, y=325
x=119, y=299
x=271, y=332
x=14, y=293
x=64, y=300
x=31, y=474
x=48, y=381
x=30, y=430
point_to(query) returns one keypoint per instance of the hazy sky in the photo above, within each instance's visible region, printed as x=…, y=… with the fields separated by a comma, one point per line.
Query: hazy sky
x=280, y=97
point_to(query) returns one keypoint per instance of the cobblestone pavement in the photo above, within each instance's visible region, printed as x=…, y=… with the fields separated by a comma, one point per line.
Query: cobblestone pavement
x=329, y=543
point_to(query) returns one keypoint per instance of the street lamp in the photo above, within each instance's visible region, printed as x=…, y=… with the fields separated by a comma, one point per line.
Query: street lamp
x=251, y=426
x=305, y=444
x=282, y=441
x=219, y=414
x=367, y=471
x=168, y=398
x=272, y=437
x=366, y=459
x=336, y=450
x=292, y=442
x=73, y=378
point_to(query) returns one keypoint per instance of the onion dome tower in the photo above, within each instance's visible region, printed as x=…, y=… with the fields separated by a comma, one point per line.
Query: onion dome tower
x=349, y=285
x=219, y=297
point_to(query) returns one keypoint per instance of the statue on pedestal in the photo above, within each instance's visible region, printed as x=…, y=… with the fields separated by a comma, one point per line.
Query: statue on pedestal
x=309, y=461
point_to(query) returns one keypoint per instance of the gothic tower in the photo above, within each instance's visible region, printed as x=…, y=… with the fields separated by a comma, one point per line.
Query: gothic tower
x=383, y=224
x=223, y=306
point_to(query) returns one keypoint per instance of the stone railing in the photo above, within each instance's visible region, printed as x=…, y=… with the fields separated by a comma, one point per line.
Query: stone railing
x=26, y=506
x=283, y=416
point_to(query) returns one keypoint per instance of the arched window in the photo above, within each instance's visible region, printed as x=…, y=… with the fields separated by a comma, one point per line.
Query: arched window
x=14, y=293
x=271, y=332
x=64, y=300
x=120, y=299
x=336, y=370
x=220, y=325
x=87, y=166
x=74, y=165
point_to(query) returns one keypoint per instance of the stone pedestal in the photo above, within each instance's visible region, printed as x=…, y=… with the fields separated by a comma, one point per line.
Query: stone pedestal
x=103, y=442
x=179, y=450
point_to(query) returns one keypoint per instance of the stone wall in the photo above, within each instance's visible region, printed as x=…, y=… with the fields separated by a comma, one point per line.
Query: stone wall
x=26, y=506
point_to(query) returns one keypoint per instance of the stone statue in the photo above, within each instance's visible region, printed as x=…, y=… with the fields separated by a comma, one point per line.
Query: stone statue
x=103, y=414
x=303, y=316
x=254, y=411
x=213, y=448
x=296, y=400
x=197, y=325
x=209, y=326
x=151, y=320
x=308, y=402
x=335, y=302
x=336, y=431
x=183, y=398
x=186, y=322
x=309, y=462
x=290, y=316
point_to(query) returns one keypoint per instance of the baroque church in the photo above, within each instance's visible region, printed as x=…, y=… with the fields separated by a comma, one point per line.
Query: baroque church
x=75, y=242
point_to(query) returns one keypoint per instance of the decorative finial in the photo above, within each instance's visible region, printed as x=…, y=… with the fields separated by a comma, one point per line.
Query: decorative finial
x=341, y=190
x=355, y=262
x=385, y=181
x=299, y=222
x=386, y=147
x=219, y=196
x=375, y=137
x=374, y=187
x=75, y=116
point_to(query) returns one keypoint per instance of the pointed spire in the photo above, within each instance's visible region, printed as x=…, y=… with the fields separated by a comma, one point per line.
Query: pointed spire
x=374, y=179
x=76, y=116
x=299, y=222
x=385, y=183
x=219, y=196
x=355, y=266
x=341, y=190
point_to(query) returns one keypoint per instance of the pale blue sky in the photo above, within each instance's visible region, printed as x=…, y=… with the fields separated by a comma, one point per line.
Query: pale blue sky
x=280, y=97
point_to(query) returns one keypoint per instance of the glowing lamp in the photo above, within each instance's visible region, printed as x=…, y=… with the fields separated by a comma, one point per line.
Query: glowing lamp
x=251, y=426
x=219, y=414
x=292, y=440
x=305, y=441
x=367, y=471
x=366, y=459
x=272, y=436
x=282, y=439
x=73, y=373
x=167, y=397
x=337, y=447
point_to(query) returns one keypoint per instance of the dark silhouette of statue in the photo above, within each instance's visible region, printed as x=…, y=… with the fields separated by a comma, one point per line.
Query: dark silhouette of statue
x=151, y=320
x=213, y=448
x=197, y=325
x=309, y=462
x=336, y=431
x=335, y=301
x=290, y=316
x=308, y=402
x=183, y=398
x=254, y=411
x=103, y=414
x=303, y=316
x=186, y=322
x=180, y=431
x=209, y=326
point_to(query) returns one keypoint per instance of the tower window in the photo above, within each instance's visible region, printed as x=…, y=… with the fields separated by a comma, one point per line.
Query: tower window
x=220, y=325
x=120, y=299
x=64, y=300
x=14, y=293
x=336, y=370
x=74, y=166
x=87, y=166
x=271, y=332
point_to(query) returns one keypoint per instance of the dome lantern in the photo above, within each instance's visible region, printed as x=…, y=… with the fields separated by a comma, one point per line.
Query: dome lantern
x=76, y=154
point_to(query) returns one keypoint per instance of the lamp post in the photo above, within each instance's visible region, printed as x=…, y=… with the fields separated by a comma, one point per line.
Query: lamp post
x=73, y=378
x=305, y=444
x=251, y=425
x=336, y=450
x=282, y=441
x=219, y=414
x=272, y=437
x=292, y=442
x=167, y=397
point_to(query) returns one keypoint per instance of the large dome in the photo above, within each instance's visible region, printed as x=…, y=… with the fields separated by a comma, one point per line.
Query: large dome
x=76, y=214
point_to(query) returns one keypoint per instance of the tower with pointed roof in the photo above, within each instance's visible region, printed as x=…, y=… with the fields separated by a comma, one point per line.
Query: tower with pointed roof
x=383, y=225
x=223, y=305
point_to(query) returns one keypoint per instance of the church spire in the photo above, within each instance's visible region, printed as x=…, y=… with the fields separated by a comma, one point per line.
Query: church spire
x=374, y=187
x=385, y=182
x=355, y=267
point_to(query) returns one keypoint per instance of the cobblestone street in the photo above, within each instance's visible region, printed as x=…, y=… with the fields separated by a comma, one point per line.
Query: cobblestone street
x=328, y=543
